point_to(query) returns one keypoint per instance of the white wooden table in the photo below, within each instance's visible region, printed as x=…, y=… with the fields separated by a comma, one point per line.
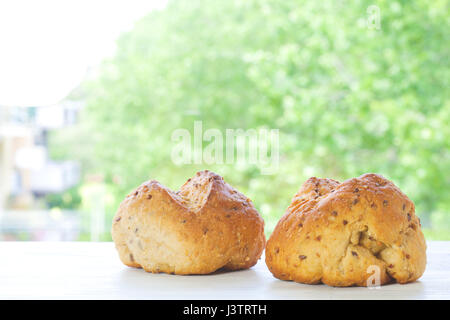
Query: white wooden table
x=88, y=270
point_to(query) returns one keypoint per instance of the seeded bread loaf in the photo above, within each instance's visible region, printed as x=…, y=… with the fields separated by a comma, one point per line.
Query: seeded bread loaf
x=205, y=226
x=341, y=234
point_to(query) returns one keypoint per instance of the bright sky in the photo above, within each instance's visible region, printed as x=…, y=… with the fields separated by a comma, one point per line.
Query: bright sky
x=46, y=46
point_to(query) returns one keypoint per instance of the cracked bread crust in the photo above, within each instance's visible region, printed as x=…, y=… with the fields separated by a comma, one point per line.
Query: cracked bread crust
x=205, y=226
x=334, y=232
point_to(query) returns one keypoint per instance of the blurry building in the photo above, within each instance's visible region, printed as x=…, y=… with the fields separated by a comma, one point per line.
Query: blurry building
x=27, y=174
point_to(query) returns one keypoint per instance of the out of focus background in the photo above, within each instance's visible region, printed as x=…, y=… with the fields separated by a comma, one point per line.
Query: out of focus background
x=91, y=92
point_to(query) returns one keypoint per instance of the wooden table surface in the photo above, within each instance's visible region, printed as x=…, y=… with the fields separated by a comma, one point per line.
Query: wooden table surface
x=91, y=270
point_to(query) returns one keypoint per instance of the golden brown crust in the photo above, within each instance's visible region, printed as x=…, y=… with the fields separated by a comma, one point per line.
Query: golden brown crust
x=333, y=232
x=205, y=226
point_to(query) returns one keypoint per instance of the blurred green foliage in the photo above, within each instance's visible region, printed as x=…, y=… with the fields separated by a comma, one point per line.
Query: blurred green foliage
x=347, y=99
x=69, y=199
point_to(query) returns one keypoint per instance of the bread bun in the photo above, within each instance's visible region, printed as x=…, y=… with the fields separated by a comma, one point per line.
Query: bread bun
x=335, y=233
x=205, y=226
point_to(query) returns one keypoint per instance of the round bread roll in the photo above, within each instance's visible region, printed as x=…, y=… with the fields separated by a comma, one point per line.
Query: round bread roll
x=205, y=226
x=345, y=234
